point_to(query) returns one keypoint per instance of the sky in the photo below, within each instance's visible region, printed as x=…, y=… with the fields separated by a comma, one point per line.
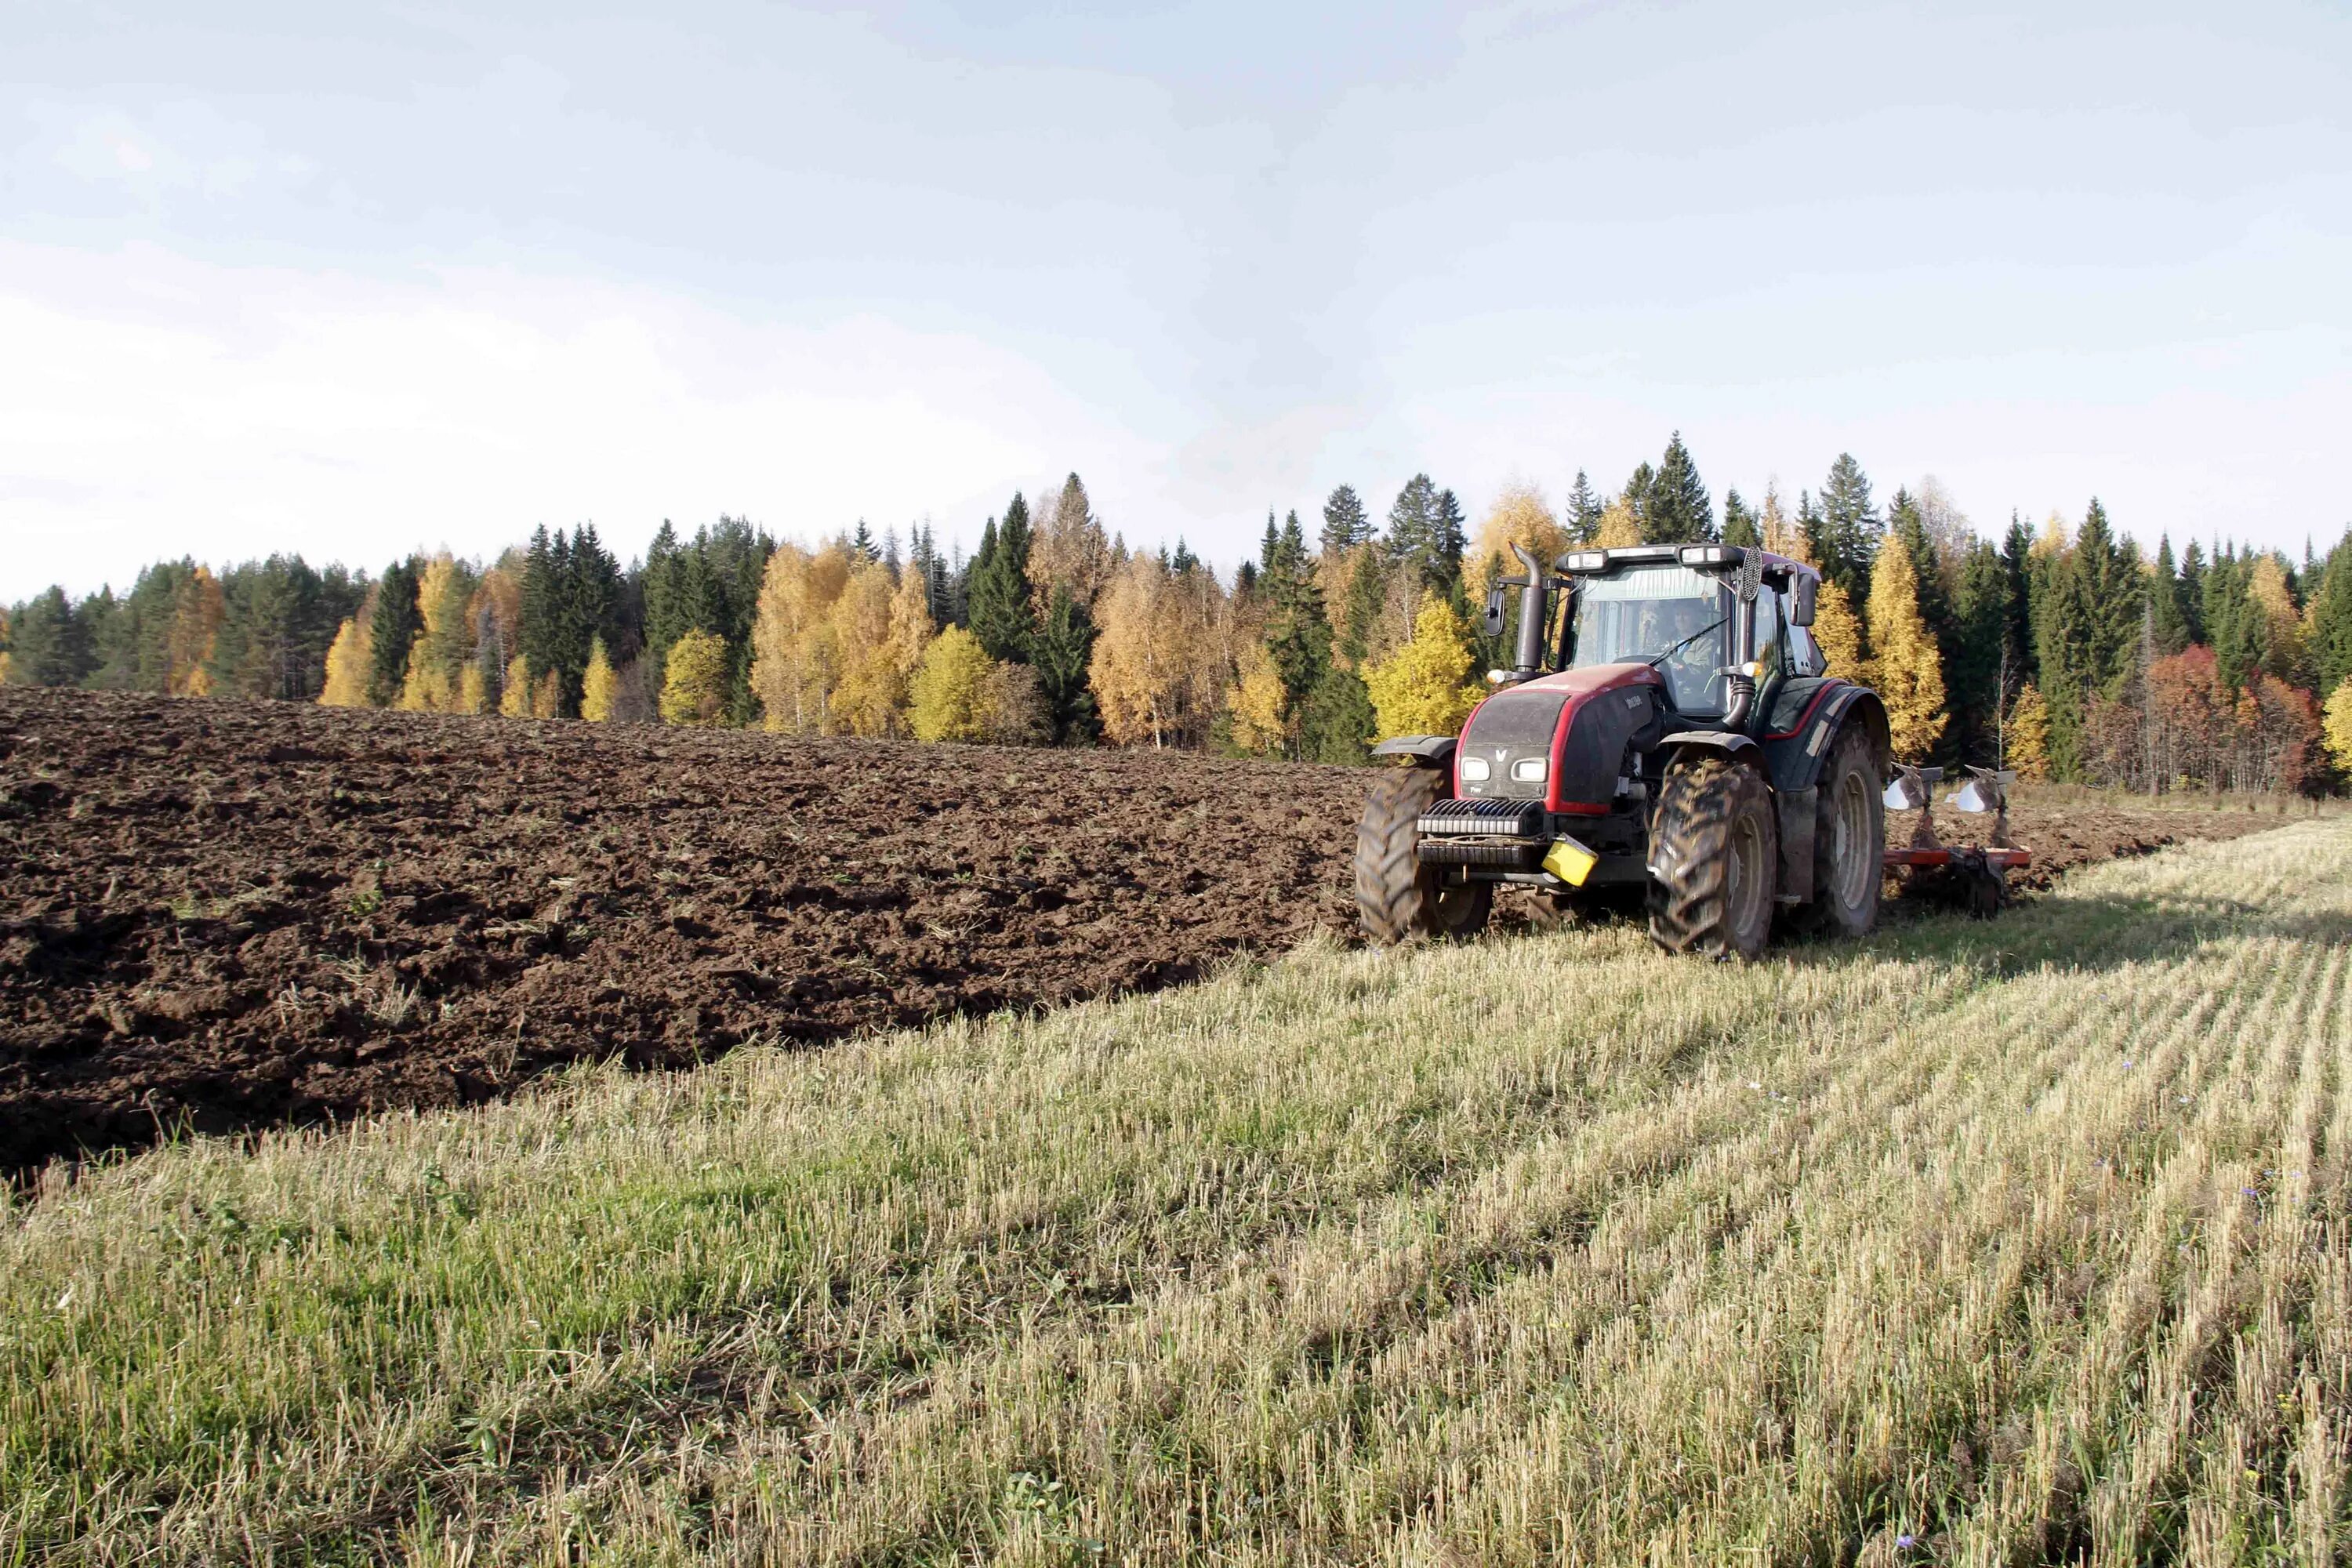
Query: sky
x=357, y=279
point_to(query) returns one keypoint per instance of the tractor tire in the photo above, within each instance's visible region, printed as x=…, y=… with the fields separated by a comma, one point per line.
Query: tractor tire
x=1397, y=897
x=1849, y=840
x=1714, y=860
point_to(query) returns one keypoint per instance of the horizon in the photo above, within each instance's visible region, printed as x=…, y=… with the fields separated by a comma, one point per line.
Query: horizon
x=346, y=284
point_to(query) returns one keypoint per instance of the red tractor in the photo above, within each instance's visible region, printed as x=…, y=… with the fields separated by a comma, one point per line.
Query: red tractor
x=1667, y=726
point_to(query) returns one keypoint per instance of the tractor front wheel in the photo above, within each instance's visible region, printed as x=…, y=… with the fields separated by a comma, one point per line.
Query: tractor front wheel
x=1714, y=859
x=1397, y=897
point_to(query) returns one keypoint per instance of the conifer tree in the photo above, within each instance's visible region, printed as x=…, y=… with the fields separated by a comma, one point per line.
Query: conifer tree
x=1068, y=549
x=1000, y=592
x=1345, y=526
x=49, y=643
x=598, y=686
x=1739, y=523
x=2192, y=590
x=1421, y=537
x=2017, y=566
x=351, y=666
x=2330, y=616
x=1907, y=669
x=1985, y=669
x=1338, y=720
x=1846, y=530
x=2167, y=622
x=1680, y=508
x=391, y=630
x=694, y=684
x=950, y=688
x=1425, y=688
x=1064, y=648
x=1582, y=516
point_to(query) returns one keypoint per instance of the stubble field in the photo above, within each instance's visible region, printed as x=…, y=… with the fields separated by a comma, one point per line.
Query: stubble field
x=2007, y=1243
x=218, y=916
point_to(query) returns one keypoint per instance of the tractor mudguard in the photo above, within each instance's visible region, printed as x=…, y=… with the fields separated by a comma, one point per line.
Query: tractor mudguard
x=1730, y=743
x=1803, y=725
x=1426, y=751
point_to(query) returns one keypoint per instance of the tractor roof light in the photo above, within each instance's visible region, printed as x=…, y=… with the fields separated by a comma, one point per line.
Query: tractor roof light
x=1711, y=554
x=1585, y=560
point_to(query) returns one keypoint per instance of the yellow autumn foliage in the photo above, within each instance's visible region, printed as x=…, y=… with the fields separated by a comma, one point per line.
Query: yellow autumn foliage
x=1518, y=517
x=598, y=685
x=1906, y=667
x=694, y=681
x=2026, y=745
x=1425, y=687
x=347, y=664
x=950, y=688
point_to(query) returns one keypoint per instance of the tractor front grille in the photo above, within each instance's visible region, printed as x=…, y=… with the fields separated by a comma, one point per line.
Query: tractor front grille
x=1485, y=818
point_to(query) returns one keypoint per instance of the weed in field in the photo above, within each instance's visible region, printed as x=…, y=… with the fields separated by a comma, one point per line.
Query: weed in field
x=2012, y=1242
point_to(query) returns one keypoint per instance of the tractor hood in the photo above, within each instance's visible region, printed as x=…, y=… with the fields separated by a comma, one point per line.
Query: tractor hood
x=1561, y=738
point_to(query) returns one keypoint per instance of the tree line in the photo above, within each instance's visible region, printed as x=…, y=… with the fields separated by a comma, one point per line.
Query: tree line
x=2061, y=649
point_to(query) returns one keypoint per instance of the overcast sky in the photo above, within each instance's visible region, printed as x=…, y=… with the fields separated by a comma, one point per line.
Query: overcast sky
x=351, y=279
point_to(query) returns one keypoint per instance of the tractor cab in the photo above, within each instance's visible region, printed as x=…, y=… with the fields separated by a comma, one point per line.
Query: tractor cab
x=1666, y=722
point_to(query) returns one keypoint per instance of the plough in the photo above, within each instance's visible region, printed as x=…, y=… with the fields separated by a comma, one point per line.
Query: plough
x=1975, y=878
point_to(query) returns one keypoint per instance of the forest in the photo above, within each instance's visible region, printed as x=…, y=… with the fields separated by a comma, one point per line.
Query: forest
x=2061, y=649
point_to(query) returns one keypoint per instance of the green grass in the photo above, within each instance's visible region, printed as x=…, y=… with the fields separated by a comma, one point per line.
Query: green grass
x=2024, y=1239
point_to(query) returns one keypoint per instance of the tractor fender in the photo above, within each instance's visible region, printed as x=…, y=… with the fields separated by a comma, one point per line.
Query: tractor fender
x=1425, y=751
x=1726, y=741
x=1807, y=718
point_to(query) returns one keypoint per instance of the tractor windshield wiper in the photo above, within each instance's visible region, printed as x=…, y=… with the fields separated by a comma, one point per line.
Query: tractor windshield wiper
x=1678, y=647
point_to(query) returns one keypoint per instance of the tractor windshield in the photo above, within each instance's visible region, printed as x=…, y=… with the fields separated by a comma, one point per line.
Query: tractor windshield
x=1666, y=613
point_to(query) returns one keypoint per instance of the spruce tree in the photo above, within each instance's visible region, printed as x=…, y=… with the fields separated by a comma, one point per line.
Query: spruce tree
x=1345, y=526
x=666, y=619
x=1681, y=511
x=2192, y=591
x=2167, y=622
x=1416, y=534
x=394, y=628
x=1449, y=532
x=1582, y=516
x=1639, y=499
x=1984, y=659
x=1063, y=647
x=1739, y=523
x=998, y=598
x=49, y=645
x=2331, y=618
x=1847, y=530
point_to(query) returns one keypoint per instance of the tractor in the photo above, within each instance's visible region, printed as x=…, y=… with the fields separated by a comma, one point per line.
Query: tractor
x=1667, y=728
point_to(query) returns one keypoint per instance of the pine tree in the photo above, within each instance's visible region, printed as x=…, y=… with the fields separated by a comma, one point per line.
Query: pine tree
x=1681, y=511
x=598, y=686
x=1425, y=688
x=694, y=685
x=1366, y=594
x=1739, y=523
x=950, y=688
x=1907, y=669
x=999, y=596
x=1583, y=514
x=1345, y=526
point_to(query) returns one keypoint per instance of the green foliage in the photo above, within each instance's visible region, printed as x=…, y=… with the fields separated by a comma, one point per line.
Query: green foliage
x=1425, y=534
x=1064, y=647
x=1582, y=516
x=572, y=595
x=1739, y=523
x=51, y=643
x=1338, y=720
x=1680, y=509
x=1845, y=528
x=1345, y=526
x=998, y=593
x=2087, y=624
x=396, y=621
x=2167, y=614
x=2331, y=619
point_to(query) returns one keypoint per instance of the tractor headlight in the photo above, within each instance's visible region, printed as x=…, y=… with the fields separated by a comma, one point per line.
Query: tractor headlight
x=1584, y=561
x=1531, y=770
x=1475, y=768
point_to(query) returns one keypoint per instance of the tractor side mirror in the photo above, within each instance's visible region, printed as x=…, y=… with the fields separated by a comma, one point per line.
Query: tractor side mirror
x=1800, y=605
x=1492, y=624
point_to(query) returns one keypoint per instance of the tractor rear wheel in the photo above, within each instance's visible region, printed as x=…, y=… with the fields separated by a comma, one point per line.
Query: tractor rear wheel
x=1714, y=859
x=1397, y=897
x=1849, y=839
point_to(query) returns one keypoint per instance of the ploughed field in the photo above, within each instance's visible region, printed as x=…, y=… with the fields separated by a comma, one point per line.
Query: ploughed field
x=221, y=916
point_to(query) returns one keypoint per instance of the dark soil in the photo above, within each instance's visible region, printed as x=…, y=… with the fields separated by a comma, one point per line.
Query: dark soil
x=220, y=916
